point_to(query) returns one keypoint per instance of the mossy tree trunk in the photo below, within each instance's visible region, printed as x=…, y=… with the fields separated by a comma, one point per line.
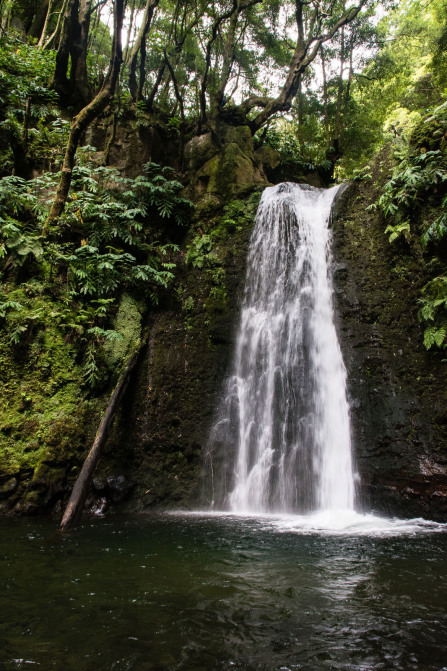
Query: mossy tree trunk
x=78, y=71
x=86, y=116
x=68, y=17
x=39, y=19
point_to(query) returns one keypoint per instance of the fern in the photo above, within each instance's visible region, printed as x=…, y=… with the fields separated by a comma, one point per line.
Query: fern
x=398, y=231
x=106, y=242
x=17, y=333
x=9, y=305
x=438, y=229
x=415, y=177
x=434, y=335
x=418, y=179
x=91, y=371
x=433, y=311
x=101, y=335
x=198, y=253
x=364, y=173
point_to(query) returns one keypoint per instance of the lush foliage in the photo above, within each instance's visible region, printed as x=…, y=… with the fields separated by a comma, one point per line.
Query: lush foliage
x=434, y=312
x=415, y=194
x=103, y=245
x=283, y=138
x=321, y=84
x=373, y=73
x=30, y=125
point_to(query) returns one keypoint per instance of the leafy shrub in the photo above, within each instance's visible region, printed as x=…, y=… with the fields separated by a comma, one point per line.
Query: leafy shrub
x=419, y=178
x=236, y=215
x=416, y=177
x=291, y=154
x=103, y=244
x=433, y=312
x=27, y=104
x=438, y=229
x=199, y=251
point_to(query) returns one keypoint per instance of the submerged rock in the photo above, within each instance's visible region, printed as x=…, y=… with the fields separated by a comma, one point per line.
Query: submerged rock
x=100, y=506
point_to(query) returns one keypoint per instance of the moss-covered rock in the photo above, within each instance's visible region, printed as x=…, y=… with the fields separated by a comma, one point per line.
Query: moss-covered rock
x=431, y=133
x=137, y=139
x=239, y=135
x=47, y=419
x=128, y=324
x=199, y=150
x=223, y=163
x=267, y=158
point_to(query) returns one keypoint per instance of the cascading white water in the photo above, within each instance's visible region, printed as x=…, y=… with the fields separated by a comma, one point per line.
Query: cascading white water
x=281, y=442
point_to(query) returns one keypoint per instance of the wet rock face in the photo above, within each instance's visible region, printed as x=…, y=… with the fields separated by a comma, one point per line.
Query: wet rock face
x=7, y=487
x=398, y=391
x=119, y=488
x=136, y=142
x=107, y=492
x=162, y=427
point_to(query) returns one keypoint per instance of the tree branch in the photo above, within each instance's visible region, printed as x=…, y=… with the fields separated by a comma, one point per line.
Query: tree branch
x=305, y=54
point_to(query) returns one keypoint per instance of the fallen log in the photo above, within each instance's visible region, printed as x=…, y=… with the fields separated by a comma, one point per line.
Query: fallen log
x=79, y=492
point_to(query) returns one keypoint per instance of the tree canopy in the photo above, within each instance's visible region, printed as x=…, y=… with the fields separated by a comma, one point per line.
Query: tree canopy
x=339, y=73
x=322, y=82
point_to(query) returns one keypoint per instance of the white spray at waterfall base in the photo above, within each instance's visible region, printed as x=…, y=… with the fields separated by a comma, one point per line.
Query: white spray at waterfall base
x=281, y=442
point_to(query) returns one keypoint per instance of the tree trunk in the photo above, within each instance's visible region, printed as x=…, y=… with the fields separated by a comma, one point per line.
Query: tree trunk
x=347, y=95
x=214, y=32
x=131, y=30
x=140, y=46
x=3, y=12
x=79, y=492
x=6, y=19
x=300, y=118
x=79, y=85
x=338, y=112
x=46, y=23
x=327, y=132
x=45, y=43
x=179, y=99
x=60, y=81
x=86, y=116
x=39, y=20
x=227, y=58
x=73, y=47
x=156, y=86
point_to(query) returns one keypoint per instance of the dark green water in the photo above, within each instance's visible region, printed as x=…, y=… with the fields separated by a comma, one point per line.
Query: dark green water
x=200, y=593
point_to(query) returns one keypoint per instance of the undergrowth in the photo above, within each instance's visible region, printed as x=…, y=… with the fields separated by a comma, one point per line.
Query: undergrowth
x=108, y=241
x=414, y=202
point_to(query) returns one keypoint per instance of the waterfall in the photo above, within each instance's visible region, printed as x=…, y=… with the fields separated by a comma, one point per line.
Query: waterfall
x=281, y=440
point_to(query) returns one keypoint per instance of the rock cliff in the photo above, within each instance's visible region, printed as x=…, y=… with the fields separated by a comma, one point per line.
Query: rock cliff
x=398, y=390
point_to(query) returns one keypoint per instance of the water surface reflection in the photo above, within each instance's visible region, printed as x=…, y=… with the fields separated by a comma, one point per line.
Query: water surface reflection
x=197, y=592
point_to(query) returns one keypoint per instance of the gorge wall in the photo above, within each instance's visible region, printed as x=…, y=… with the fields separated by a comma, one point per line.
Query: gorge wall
x=398, y=391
